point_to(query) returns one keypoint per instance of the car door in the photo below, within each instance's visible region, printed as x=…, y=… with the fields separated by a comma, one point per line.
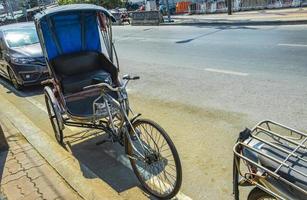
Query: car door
x=2, y=72
x=3, y=64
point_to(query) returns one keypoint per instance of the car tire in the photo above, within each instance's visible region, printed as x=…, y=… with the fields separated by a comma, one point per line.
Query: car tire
x=13, y=79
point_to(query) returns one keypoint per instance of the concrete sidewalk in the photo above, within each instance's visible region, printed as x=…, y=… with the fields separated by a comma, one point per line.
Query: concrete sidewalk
x=76, y=174
x=25, y=174
x=261, y=17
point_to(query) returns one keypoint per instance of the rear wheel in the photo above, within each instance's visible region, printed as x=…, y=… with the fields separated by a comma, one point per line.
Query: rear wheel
x=235, y=176
x=258, y=194
x=160, y=171
x=13, y=79
x=54, y=119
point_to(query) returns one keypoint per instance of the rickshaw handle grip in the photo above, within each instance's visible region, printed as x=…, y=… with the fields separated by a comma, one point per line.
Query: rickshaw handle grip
x=101, y=85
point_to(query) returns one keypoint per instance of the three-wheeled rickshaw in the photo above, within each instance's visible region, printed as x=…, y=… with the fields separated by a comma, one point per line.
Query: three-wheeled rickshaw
x=271, y=157
x=86, y=90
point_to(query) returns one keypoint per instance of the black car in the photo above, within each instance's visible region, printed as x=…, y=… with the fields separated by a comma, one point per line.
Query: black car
x=21, y=57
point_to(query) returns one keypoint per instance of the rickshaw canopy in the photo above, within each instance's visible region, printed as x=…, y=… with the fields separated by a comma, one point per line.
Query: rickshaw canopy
x=70, y=28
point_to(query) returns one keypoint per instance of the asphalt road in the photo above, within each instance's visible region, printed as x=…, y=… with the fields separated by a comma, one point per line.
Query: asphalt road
x=258, y=71
x=203, y=85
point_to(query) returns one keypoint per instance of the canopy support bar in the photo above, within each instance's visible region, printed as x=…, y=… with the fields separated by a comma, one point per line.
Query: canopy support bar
x=83, y=24
x=53, y=35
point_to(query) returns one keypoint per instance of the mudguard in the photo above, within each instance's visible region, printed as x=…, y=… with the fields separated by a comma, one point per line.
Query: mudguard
x=56, y=106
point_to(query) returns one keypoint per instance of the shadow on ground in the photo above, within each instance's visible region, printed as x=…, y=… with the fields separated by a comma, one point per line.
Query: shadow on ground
x=108, y=161
x=218, y=29
x=3, y=152
x=24, y=92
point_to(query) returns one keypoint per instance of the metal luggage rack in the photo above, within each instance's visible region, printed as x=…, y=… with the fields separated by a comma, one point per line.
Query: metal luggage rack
x=268, y=132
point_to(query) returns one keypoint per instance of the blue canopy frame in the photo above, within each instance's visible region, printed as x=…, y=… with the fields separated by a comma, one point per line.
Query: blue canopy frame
x=70, y=28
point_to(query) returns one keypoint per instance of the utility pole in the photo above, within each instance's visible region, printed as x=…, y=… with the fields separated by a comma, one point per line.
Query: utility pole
x=229, y=5
x=168, y=11
x=38, y=3
x=24, y=9
x=10, y=8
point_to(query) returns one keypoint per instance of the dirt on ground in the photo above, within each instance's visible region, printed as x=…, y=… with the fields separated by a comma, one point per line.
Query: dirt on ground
x=204, y=139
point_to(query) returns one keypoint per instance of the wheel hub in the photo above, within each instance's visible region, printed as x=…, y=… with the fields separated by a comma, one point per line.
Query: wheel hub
x=152, y=158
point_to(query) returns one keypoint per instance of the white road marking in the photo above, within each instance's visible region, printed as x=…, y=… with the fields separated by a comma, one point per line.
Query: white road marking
x=34, y=102
x=226, y=72
x=293, y=45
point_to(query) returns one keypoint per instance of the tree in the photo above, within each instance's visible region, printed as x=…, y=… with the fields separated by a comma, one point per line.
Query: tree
x=32, y=3
x=104, y=3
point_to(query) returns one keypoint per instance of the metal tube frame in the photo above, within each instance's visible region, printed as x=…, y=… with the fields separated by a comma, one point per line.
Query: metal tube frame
x=103, y=125
x=265, y=127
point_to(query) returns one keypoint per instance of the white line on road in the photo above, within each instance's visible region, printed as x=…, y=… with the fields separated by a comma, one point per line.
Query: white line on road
x=43, y=108
x=226, y=72
x=33, y=101
x=293, y=45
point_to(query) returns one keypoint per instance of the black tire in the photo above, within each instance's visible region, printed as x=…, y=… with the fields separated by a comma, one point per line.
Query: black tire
x=58, y=133
x=258, y=194
x=161, y=161
x=13, y=79
x=235, y=176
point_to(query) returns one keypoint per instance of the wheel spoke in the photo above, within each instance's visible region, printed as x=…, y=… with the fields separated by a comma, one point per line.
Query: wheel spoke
x=159, y=171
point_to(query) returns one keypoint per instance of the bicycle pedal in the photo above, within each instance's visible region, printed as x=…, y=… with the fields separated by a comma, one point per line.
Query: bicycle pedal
x=133, y=137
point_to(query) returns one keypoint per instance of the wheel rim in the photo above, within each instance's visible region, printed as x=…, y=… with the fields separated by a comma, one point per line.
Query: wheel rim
x=158, y=173
x=54, y=121
x=13, y=79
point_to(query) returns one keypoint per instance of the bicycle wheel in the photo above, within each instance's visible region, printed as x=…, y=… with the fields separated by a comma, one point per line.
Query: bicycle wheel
x=13, y=79
x=235, y=177
x=160, y=171
x=54, y=118
x=258, y=194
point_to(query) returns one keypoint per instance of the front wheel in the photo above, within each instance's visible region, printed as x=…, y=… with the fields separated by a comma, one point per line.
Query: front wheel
x=159, y=171
x=13, y=79
x=258, y=194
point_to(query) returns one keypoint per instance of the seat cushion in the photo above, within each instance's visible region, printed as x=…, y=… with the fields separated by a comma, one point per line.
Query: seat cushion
x=76, y=83
x=80, y=69
x=298, y=164
x=83, y=106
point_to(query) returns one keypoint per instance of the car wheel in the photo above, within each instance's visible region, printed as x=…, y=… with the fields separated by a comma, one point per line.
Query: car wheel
x=13, y=79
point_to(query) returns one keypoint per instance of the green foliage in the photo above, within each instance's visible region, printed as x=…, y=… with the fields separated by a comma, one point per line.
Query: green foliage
x=104, y=3
x=33, y=3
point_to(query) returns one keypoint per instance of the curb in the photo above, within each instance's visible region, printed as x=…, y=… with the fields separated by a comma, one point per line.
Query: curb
x=87, y=184
x=236, y=23
x=3, y=143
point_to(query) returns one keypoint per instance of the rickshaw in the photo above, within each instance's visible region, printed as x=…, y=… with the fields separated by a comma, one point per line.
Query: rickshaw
x=272, y=158
x=86, y=90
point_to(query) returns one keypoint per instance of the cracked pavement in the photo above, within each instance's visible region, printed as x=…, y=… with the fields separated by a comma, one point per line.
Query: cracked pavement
x=25, y=174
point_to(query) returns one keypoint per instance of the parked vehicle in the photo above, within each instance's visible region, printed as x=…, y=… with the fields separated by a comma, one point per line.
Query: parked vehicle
x=85, y=90
x=272, y=157
x=121, y=15
x=21, y=57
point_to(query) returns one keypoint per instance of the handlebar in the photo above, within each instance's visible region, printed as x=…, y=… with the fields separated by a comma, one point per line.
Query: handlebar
x=128, y=77
x=114, y=89
x=102, y=85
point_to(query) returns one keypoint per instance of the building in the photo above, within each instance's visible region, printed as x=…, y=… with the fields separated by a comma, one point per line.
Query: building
x=19, y=4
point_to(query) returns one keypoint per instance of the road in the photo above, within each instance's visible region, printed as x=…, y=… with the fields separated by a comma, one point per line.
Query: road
x=258, y=71
x=203, y=85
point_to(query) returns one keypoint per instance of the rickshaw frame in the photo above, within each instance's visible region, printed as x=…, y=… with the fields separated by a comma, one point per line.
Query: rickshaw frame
x=79, y=121
x=252, y=178
x=125, y=131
